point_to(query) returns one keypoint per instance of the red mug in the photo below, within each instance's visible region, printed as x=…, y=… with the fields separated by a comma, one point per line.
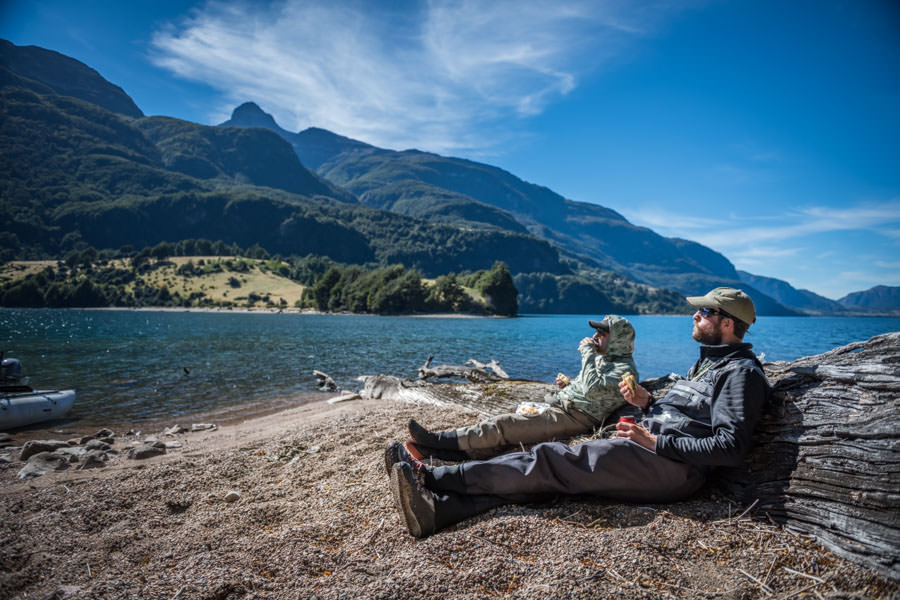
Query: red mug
x=626, y=420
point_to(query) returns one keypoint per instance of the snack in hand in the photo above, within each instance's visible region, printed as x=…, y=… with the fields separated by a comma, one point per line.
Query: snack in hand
x=628, y=378
x=563, y=379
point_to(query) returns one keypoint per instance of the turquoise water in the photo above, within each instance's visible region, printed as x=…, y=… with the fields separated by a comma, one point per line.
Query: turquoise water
x=129, y=366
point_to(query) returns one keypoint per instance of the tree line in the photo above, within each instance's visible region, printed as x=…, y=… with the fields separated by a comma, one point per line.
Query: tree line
x=87, y=277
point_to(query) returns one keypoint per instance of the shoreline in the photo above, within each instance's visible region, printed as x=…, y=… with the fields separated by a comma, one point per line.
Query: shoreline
x=311, y=311
x=278, y=311
x=223, y=416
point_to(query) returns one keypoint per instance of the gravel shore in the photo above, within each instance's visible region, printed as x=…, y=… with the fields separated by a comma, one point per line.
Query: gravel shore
x=297, y=505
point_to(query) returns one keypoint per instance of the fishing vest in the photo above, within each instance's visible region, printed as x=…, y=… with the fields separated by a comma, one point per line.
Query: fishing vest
x=686, y=409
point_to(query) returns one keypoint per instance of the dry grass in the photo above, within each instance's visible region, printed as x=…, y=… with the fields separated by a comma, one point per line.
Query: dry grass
x=215, y=286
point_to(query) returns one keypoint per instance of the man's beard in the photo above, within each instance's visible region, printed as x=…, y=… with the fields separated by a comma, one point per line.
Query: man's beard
x=708, y=338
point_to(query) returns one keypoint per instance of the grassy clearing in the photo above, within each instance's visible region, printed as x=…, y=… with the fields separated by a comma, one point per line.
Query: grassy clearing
x=229, y=281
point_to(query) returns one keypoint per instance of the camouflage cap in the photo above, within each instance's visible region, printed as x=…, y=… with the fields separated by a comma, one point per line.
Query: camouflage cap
x=733, y=301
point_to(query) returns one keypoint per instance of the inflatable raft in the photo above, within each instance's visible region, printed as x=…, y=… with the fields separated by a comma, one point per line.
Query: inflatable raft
x=21, y=405
x=20, y=408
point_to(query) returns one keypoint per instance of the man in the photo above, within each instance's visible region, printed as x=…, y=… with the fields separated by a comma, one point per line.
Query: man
x=705, y=420
x=579, y=406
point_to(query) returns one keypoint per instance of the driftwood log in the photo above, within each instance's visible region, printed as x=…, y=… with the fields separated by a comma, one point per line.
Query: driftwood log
x=826, y=455
x=477, y=372
x=324, y=381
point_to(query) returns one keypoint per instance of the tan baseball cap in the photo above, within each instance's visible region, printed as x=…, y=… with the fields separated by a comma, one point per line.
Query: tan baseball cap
x=731, y=300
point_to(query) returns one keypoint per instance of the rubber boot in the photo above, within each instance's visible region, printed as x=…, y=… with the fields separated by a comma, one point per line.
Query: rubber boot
x=441, y=440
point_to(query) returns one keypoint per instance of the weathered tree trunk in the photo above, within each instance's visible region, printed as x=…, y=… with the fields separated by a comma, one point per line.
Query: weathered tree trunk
x=826, y=457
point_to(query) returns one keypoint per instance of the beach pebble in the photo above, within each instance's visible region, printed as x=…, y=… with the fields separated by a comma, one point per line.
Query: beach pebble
x=173, y=444
x=33, y=447
x=203, y=427
x=232, y=496
x=5, y=459
x=174, y=429
x=66, y=591
x=146, y=451
x=43, y=462
x=104, y=433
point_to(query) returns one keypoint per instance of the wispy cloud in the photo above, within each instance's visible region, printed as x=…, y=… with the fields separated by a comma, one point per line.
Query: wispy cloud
x=720, y=233
x=785, y=245
x=435, y=75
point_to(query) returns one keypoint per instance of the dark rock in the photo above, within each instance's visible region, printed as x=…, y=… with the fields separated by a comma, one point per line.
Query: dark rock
x=97, y=445
x=43, y=462
x=105, y=433
x=146, y=451
x=72, y=453
x=93, y=459
x=33, y=447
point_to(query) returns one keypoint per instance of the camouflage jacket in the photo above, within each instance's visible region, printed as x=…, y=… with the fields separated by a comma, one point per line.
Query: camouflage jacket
x=595, y=390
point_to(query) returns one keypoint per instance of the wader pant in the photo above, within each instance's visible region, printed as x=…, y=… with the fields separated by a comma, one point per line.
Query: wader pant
x=495, y=433
x=610, y=468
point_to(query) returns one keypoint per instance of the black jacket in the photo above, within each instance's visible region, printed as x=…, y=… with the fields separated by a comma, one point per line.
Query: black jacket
x=707, y=419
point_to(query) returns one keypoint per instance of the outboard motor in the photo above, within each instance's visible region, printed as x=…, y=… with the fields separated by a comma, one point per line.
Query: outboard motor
x=11, y=371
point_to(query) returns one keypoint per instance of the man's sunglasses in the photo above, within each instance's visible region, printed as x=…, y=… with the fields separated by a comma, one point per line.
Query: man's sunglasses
x=713, y=312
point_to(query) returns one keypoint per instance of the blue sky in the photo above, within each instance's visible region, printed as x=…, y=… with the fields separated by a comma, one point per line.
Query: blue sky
x=767, y=130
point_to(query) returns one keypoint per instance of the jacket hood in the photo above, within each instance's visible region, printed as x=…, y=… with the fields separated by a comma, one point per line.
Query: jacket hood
x=621, y=337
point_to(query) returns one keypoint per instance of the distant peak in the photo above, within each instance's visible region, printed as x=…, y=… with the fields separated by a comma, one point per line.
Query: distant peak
x=249, y=114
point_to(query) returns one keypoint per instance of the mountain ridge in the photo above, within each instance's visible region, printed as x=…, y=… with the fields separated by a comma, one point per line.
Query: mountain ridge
x=37, y=68
x=108, y=174
x=431, y=186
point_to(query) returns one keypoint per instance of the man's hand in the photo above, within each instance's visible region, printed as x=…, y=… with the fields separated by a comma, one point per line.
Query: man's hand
x=636, y=433
x=562, y=380
x=588, y=340
x=640, y=398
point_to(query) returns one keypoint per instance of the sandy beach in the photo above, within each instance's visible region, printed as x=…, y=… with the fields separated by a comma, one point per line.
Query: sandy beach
x=296, y=504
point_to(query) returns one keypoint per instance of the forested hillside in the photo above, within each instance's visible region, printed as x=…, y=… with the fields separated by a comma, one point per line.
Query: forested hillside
x=82, y=168
x=475, y=195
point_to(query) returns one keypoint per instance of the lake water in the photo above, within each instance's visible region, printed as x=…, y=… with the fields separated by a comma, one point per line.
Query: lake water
x=130, y=366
